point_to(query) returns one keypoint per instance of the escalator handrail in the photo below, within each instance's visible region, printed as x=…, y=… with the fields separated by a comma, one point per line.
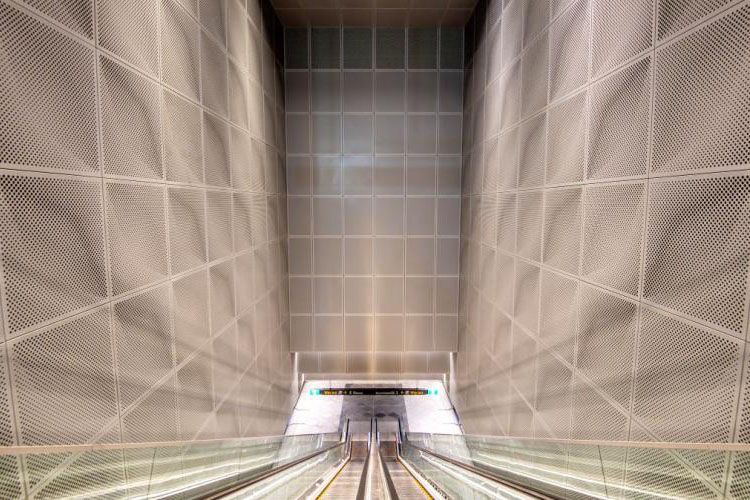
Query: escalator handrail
x=270, y=473
x=483, y=473
x=363, y=477
x=392, y=493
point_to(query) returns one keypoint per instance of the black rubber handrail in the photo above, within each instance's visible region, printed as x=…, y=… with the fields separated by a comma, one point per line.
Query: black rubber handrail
x=363, y=477
x=228, y=490
x=388, y=480
x=482, y=473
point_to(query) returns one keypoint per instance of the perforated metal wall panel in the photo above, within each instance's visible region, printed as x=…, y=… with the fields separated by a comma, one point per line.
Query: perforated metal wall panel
x=701, y=114
x=374, y=129
x=183, y=155
x=696, y=248
x=618, y=126
x=48, y=84
x=613, y=235
x=699, y=404
x=131, y=131
x=180, y=36
x=137, y=235
x=129, y=30
x=116, y=214
x=65, y=381
x=630, y=215
x=187, y=228
x=54, y=226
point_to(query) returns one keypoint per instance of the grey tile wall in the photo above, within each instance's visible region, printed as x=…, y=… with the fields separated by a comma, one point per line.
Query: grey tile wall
x=142, y=225
x=373, y=120
x=604, y=247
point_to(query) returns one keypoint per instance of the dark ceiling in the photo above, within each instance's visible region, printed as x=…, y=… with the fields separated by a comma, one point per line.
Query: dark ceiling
x=374, y=12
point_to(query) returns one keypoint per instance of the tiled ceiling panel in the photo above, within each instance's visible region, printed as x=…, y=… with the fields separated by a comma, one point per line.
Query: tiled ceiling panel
x=374, y=12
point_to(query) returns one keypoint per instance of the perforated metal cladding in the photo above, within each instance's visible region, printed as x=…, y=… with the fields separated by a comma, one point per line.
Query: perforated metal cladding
x=701, y=110
x=325, y=45
x=390, y=47
x=510, y=33
x=65, y=382
x=696, y=254
x=75, y=15
x=213, y=75
x=422, y=48
x=239, y=94
x=618, y=123
x=7, y=437
x=154, y=418
x=222, y=295
x=246, y=152
x=187, y=228
x=195, y=394
x=553, y=395
x=213, y=18
x=566, y=140
x=219, y=210
x=562, y=229
x=190, y=313
x=137, y=235
x=569, y=40
x=535, y=75
x=687, y=380
x=131, y=131
x=47, y=83
x=129, y=30
x=523, y=369
x=243, y=271
x=558, y=318
x=527, y=295
x=358, y=48
x=594, y=417
x=621, y=29
x=606, y=342
x=144, y=342
x=216, y=151
x=510, y=90
x=743, y=418
x=613, y=235
x=224, y=371
x=506, y=221
x=529, y=224
x=656, y=362
x=237, y=34
x=532, y=145
x=64, y=237
x=183, y=156
x=53, y=248
x=180, y=37
x=675, y=16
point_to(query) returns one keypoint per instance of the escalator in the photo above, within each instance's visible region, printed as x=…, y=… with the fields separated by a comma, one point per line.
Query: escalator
x=346, y=484
x=378, y=460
